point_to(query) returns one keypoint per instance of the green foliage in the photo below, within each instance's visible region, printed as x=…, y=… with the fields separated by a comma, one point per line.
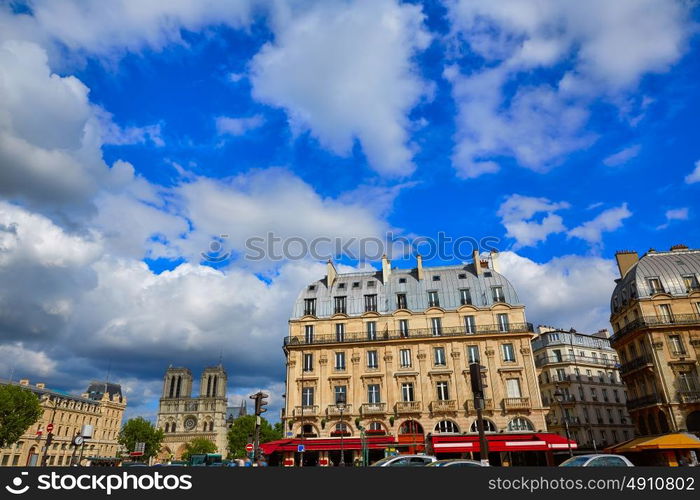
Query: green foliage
x=245, y=426
x=198, y=446
x=140, y=430
x=19, y=410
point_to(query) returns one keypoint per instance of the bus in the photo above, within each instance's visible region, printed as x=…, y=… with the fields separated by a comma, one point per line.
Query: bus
x=205, y=460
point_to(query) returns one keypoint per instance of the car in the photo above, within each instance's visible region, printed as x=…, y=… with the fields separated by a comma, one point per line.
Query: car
x=597, y=460
x=456, y=462
x=405, y=461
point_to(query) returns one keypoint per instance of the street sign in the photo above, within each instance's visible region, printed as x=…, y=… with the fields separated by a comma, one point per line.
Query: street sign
x=136, y=454
x=49, y=427
x=249, y=447
x=300, y=448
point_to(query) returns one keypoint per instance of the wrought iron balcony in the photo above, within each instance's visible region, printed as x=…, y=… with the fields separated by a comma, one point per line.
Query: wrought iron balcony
x=638, y=362
x=333, y=410
x=516, y=403
x=469, y=405
x=373, y=408
x=443, y=406
x=456, y=331
x=408, y=407
x=655, y=321
x=648, y=400
x=689, y=396
x=306, y=410
x=569, y=359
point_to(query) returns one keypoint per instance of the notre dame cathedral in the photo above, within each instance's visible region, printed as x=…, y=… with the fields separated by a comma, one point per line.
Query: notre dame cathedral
x=183, y=417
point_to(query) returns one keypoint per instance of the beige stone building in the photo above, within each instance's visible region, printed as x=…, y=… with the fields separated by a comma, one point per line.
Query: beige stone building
x=584, y=368
x=101, y=406
x=396, y=346
x=655, y=313
x=184, y=417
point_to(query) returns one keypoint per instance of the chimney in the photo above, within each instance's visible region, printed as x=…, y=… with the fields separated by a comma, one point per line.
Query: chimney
x=419, y=269
x=494, y=261
x=625, y=260
x=679, y=248
x=477, y=262
x=40, y=385
x=386, y=269
x=24, y=381
x=331, y=273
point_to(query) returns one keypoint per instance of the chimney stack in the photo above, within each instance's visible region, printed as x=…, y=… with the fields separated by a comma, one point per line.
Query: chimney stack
x=331, y=273
x=419, y=269
x=494, y=261
x=386, y=269
x=477, y=262
x=40, y=385
x=625, y=260
x=24, y=381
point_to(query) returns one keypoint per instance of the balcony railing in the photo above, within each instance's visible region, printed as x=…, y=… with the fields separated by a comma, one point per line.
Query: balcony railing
x=568, y=358
x=689, y=396
x=443, y=406
x=516, y=403
x=333, y=410
x=648, y=400
x=655, y=321
x=455, y=331
x=408, y=407
x=373, y=408
x=469, y=405
x=306, y=410
x=635, y=363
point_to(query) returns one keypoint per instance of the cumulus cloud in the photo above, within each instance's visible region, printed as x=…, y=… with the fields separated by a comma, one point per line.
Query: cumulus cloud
x=622, y=156
x=674, y=214
x=693, y=176
x=344, y=72
x=517, y=215
x=608, y=220
x=226, y=125
x=597, y=49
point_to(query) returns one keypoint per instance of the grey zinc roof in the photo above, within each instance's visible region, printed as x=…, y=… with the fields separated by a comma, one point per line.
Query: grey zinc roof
x=668, y=267
x=416, y=290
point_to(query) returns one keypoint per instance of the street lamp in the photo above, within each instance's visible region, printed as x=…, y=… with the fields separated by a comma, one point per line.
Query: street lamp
x=559, y=395
x=340, y=404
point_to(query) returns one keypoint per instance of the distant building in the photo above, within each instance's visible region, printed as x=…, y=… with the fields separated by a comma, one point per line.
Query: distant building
x=584, y=368
x=184, y=417
x=101, y=406
x=234, y=412
x=655, y=314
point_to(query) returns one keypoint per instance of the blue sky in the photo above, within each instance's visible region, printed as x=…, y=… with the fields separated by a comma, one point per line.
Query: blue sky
x=132, y=136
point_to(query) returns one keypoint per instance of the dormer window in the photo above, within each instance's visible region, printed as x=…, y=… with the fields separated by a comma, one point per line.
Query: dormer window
x=462, y=276
x=436, y=277
x=356, y=284
x=487, y=274
x=370, y=284
x=341, y=286
x=655, y=286
x=402, y=280
x=312, y=288
x=309, y=307
x=691, y=283
x=433, y=299
x=497, y=294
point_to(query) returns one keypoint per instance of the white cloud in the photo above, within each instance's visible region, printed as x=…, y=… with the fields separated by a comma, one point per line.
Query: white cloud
x=622, y=156
x=344, y=71
x=674, y=214
x=226, y=125
x=604, y=48
x=693, y=176
x=517, y=214
x=608, y=220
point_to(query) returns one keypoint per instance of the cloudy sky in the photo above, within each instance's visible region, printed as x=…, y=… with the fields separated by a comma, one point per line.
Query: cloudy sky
x=135, y=133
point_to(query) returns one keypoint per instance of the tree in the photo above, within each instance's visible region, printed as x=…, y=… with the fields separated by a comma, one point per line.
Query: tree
x=19, y=410
x=140, y=430
x=198, y=446
x=243, y=427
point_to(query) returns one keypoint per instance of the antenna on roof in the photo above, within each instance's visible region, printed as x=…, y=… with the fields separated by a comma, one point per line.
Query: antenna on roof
x=221, y=357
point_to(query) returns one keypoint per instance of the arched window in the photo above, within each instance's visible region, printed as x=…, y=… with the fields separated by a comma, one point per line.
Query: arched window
x=341, y=429
x=309, y=430
x=446, y=427
x=167, y=427
x=488, y=426
x=211, y=426
x=172, y=427
x=376, y=428
x=410, y=427
x=520, y=424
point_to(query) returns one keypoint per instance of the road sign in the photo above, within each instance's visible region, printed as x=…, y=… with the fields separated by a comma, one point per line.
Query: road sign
x=300, y=448
x=249, y=447
x=136, y=454
x=49, y=427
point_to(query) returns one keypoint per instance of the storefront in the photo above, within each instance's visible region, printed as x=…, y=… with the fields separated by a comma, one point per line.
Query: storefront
x=670, y=450
x=325, y=452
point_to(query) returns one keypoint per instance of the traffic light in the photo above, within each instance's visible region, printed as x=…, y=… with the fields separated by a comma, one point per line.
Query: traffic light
x=260, y=401
x=475, y=377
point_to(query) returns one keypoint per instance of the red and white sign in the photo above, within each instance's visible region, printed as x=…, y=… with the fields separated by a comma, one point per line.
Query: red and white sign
x=136, y=454
x=49, y=427
x=249, y=447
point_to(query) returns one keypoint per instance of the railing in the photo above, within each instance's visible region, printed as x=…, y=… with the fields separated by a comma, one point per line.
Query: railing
x=689, y=396
x=469, y=405
x=306, y=410
x=441, y=406
x=333, y=410
x=516, y=403
x=568, y=358
x=647, y=400
x=373, y=408
x=562, y=378
x=408, y=407
x=635, y=363
x=454, y=331
x=654, y=321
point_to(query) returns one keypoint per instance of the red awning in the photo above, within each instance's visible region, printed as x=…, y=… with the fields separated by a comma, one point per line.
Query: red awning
x=327, y=444
x=501, y=442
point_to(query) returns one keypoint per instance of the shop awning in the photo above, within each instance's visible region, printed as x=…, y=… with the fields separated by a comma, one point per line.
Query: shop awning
x=327, y=444
x=674, y=441
x=501, y=442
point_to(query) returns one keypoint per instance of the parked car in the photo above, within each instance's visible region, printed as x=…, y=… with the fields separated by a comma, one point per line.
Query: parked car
x=597, y=461
x=456, y=462
x=405, y=461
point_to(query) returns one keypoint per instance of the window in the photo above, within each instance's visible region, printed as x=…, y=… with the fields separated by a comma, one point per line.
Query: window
x=308, y=362
x=376, y=427
x=436, y=277
x=677, y=347
x=312, y=288
x=513, y=388
x=341, y=428
x=462, y=276
x=370, y=284
x=340, y=332
x=402, y=280
x=372, y=359
x=340, y=305
x=465, y=297
x=373, y=393
x=610, y=415
x=446, y=427
x=442, y=391
x=309, y=307
x=356, y=284
x=340, y=361
x=309, y=334
x=401, y=301
x=497, y=294
x=508, y=352
x=503, y=322
x=340, y=393
x=341, y=286
x=403, y=328
x=655, y=286
x=488, y=426
x=691, y=282
x=371, y=330
x=405, y=358
x=436, y=326
x=407, y=394
x=470, y=324
x=307, y=396
x=370, y=303
x=520, y=424
x=439, y=355
x=433, y=299
x=473, y=353
x=664, y=313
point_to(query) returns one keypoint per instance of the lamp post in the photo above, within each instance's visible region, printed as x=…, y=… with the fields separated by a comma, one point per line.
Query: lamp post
x=559, y=395
x=340, y=404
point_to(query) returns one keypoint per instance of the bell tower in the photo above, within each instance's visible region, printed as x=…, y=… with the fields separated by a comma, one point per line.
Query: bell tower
x=213, y=382
x=177, y=383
